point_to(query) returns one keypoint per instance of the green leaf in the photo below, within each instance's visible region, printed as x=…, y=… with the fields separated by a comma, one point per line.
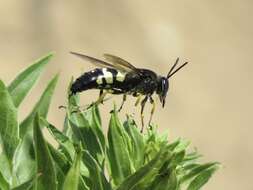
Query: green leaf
x=4, y=185
x=72, y=179
x=42, y=106
x=196, y=170
x=24, y=160
x=193, y=156
x=137, y=141
x=202, y=178
x=95, y=123
x=183, y=144
x=25, y=186
x=22, y=84
x=72, y=102
x=97, y=177
x=5, y=168
x=120, y=164
x=66, y=146
x=9, y=131
x=44, y=162
x=177, y=159
x=82, y=185
x=91, y=116
x=61, y=165
x=24, y=157
x=85, y=134
x=146, y=174
x=165, y=182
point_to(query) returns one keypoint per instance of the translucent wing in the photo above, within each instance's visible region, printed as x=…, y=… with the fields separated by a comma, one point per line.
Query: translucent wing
x=98, y=62
x=93, y=60
x=115, y=60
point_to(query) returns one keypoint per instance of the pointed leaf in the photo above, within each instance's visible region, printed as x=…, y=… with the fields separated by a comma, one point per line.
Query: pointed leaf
x=120, y=164
x=44, y=162
x=24, y=158
x=137, y=141
x=61, y=165
x=66, y=146
x=72, y=102
x=85, y=134
x=72, y=179
x=202, y=178
x=95, y=123
x=8, y=123
x=25, y=80
x=42, y=106
x=97, y=177
x=4, y=185
x=25, y=186
x=145, y=174
x=59, y=158
x=167, y=182
x=5, y=168
x=196, y=170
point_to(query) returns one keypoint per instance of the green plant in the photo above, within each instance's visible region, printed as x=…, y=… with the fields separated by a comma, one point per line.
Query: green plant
x=85, y=159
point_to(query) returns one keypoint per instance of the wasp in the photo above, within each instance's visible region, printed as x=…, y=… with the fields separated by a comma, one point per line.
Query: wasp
x=117, y=76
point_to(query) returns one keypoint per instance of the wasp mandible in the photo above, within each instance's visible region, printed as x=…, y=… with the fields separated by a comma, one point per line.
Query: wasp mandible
x=118, y=76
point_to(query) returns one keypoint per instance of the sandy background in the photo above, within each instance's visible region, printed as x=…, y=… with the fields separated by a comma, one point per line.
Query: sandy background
x=210, y=101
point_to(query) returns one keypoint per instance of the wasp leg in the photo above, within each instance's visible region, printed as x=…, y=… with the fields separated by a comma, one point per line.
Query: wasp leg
x=123, y=101
x=143, y=102
x=100, y=94
x=99, y=100
x=152, y=110
x=62, y=107
x=138, y=100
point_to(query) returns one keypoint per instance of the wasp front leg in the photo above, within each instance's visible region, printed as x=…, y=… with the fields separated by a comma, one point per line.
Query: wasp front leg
x=152, y=110
x=143, y=102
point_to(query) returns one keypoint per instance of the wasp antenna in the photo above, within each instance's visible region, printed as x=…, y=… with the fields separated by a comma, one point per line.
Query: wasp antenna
x=75, y=53
x=173, y=67
x=170, y=75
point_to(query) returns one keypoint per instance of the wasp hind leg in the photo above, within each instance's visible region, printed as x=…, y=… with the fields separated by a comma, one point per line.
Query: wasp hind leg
x=100, y=99
x=143, y=102
x=152, y=110
x=123, y=101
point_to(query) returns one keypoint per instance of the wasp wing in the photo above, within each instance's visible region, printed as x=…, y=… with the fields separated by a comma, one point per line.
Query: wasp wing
x=95, y=61
x=98, y=62
x=115, y=60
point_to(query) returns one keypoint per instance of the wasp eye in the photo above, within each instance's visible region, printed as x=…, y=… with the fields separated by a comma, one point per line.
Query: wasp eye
x=163, y=89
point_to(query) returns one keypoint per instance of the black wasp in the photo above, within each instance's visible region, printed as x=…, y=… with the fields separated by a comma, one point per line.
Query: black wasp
x=117, y=76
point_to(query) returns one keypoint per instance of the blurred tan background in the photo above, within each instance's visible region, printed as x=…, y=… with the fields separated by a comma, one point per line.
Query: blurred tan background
x=210, y=100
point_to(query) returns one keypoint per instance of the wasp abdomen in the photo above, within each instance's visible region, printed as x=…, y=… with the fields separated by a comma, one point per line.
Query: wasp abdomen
x=104, y=78
x=86, y=81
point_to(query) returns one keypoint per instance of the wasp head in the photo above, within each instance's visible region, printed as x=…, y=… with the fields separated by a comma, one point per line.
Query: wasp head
x=163, y=87
x=163, y=82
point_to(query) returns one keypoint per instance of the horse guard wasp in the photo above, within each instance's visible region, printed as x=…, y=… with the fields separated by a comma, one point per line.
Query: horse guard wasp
x=117, y=76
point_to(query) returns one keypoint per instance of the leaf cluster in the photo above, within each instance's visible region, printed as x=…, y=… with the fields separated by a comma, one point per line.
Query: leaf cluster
x=86, y=158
